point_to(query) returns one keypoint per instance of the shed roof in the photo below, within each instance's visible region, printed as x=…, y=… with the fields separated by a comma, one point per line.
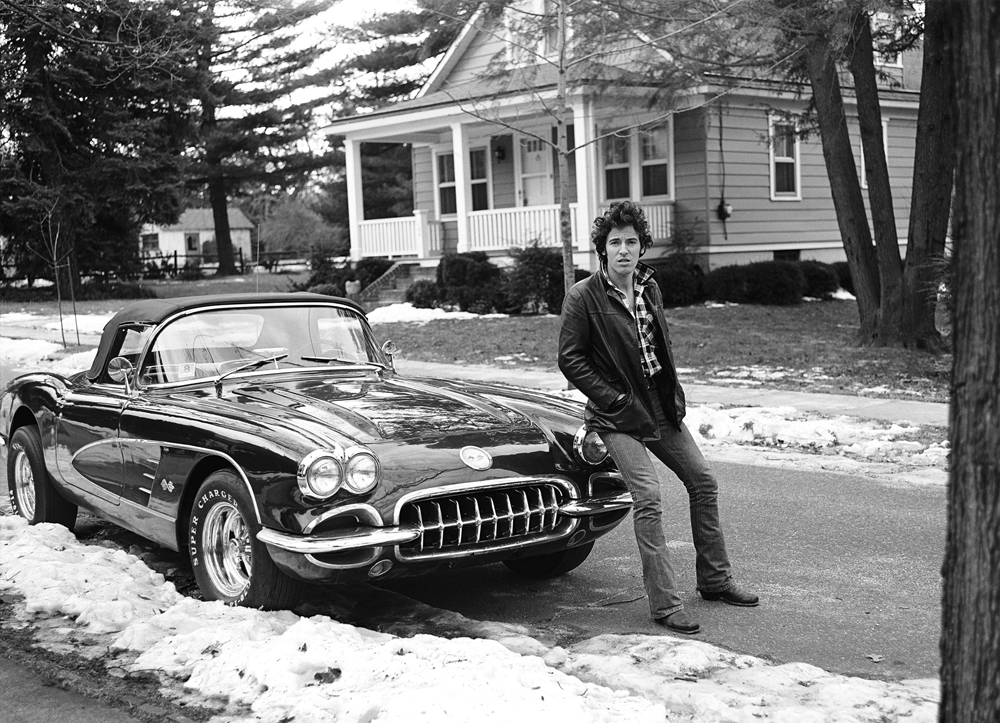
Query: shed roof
x=200, y=219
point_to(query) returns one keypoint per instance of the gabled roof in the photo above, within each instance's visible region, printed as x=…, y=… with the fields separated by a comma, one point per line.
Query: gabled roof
x=200, y=219
x=535, y=79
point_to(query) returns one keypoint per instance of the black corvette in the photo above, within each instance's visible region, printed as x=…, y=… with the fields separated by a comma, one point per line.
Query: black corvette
x=270, y=436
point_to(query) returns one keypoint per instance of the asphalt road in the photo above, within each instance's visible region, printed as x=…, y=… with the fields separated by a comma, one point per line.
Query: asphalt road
x=846, y=568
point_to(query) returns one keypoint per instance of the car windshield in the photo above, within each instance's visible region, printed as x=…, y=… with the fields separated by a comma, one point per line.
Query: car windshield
x=217, y=341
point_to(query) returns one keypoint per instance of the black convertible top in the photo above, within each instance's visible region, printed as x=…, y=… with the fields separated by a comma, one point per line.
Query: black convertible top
x=153, y=311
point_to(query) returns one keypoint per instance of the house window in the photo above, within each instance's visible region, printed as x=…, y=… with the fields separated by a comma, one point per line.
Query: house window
x=479, y=179
x=886, y=32
x=150, y=242
x=784, y=162
x=654, y=146
x=885, y=147
x=191, y=241
x=788, y=255
x=447, y=200
x=616, y=165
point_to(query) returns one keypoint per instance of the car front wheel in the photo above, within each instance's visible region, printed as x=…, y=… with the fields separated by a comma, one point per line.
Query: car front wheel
x=230, y=563
x=32, y=494
x=552, y=565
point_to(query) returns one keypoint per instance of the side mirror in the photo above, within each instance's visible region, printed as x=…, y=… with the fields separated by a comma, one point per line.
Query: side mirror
x=120, y=369
x=390, y=349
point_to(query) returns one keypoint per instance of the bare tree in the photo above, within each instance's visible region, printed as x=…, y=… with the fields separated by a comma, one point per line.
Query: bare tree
x=970, y=631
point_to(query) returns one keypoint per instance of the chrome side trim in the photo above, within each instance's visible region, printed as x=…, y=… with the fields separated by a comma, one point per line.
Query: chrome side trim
x=213, y=452
x=339, y=540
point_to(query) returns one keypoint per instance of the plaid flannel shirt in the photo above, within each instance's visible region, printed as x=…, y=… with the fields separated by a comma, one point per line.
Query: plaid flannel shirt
x=645, y=325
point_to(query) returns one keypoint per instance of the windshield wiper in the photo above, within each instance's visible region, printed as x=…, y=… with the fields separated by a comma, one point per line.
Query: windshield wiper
x=250, y=365
x=335, y=360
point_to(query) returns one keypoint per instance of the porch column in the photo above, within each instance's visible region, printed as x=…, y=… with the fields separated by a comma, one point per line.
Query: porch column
x=463, y=189
x=355, y=198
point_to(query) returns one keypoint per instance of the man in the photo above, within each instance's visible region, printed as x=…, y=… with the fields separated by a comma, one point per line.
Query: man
x=614, y=346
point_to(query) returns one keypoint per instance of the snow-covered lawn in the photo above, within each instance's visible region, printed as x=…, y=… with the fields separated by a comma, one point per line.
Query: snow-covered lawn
x=280, y=666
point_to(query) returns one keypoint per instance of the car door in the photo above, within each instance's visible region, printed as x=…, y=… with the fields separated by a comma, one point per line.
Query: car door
x=88, y=453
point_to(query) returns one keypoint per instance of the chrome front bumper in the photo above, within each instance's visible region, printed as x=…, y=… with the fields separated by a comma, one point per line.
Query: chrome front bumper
x=361, y=537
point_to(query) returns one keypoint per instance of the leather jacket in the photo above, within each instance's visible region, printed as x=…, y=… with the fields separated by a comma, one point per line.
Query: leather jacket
x=599, y=355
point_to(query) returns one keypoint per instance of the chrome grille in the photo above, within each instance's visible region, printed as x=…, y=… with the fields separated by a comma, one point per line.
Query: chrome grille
x=489, y=518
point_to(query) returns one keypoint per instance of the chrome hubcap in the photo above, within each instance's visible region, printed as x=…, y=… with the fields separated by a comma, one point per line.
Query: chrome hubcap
x=228, y=557
x=24, y=485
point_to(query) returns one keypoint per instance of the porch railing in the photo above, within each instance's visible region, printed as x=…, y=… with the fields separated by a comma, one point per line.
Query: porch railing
x=497, y=229
x=502, y=228
x=416, y=235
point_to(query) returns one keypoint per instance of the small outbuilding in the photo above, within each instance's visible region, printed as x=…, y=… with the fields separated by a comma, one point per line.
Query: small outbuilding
x=192, y=238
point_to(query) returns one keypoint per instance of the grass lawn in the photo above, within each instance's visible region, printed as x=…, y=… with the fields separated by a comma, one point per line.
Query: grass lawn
x=797, y=347
x=808, y=346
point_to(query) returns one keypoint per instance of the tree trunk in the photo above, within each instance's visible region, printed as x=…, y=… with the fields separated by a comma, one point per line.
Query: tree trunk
x=970, y=631
x=565, y=222
x=845, y=186
x=933, y=176
x=220, y=215
x=218, y=197
x=890, y=265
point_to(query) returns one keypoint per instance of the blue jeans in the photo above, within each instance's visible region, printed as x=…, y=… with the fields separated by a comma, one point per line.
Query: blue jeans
x=679, y=452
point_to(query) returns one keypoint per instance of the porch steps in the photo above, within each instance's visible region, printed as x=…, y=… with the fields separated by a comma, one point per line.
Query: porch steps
x=390, y=288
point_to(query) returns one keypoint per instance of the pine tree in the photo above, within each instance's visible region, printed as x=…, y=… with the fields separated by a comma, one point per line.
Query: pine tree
x=259, y=85
x=94, y=107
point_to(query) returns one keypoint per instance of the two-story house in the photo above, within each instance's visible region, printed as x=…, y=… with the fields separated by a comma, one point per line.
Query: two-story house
x=721, y=164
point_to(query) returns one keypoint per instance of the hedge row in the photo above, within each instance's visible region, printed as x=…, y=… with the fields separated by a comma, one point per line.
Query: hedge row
x=772, y=282
x=472, y=282
x=534, y=283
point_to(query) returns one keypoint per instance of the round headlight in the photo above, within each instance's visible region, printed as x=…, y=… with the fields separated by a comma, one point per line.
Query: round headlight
x=589, y=448
x=320, y=474
x=362, y=472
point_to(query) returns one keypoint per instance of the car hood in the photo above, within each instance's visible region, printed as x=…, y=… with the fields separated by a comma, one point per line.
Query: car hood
x=369, y=409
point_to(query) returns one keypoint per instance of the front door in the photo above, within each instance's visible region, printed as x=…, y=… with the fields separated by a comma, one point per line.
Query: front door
x=537, y=187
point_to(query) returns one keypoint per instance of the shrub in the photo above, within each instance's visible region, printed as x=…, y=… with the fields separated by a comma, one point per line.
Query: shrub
x=777, y=283
x=424, y=294
x=469, y=279
x=367, y=270
x=764, y=282
x=821, y=279
x=681, y=282
x=325, y=271
x=190, y=272
x=331, y=289
x=843, y=270
x=727, y=283
x=535, y=282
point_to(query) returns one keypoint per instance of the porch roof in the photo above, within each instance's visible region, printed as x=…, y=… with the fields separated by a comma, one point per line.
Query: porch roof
x=536, y=80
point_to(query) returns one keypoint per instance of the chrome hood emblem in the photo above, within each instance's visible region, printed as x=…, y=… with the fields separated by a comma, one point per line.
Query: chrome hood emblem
x=476, y=458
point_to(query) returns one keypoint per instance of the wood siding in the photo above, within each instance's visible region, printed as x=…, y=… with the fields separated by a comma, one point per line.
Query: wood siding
x=690, y=194
x=504, y=189
x=423, y=180
x=791, y=224
x=474, y=62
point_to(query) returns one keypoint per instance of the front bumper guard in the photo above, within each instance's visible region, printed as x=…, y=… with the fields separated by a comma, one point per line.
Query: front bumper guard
x=361, y=537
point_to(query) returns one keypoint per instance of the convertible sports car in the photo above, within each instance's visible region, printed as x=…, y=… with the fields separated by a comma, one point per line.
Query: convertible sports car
x=269, y=435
